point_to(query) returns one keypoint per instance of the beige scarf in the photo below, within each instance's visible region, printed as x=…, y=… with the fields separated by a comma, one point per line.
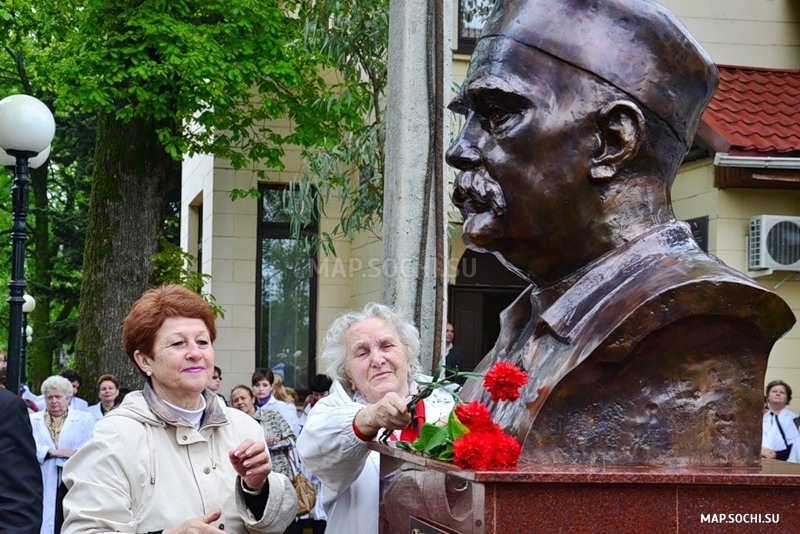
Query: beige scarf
x=55, y=424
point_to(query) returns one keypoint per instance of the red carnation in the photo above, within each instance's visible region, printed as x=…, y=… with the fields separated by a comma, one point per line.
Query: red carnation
x=469, y=451
x=503, y=381
x=483, y=451
x=475, y=416
x=481, y=445
x=507, y=451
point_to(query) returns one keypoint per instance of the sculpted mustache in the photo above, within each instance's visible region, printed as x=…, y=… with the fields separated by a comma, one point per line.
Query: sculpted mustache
x=479, y=193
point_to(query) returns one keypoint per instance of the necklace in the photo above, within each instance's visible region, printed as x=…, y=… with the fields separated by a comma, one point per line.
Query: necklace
x=55, y=424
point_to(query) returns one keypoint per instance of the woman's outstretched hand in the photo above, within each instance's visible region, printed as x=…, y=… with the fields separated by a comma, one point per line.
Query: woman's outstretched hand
x=391, y=413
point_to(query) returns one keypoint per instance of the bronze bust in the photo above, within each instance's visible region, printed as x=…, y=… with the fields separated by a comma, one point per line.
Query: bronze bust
x=640, y=348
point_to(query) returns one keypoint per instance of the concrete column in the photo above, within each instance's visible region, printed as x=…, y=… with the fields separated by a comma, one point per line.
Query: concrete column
x=413, y=226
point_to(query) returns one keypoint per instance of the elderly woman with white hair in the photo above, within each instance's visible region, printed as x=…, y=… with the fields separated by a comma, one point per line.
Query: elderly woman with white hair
x=58, y=432
x=372, y=356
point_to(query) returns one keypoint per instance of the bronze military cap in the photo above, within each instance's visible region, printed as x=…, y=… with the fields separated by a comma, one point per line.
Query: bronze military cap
x=638, y=46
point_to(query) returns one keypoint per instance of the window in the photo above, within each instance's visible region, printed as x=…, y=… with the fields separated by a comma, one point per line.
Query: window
x=286, y=281
x=471, y=18
x=197, y=212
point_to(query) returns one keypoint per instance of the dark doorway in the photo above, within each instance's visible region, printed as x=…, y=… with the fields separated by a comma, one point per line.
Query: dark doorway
x=483, y=289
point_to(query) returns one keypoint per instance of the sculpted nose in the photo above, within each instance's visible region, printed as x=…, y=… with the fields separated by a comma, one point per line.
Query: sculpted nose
x=462, y=155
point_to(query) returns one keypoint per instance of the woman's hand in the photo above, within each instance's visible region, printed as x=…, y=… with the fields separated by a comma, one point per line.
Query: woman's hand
x=768, y=453
x=252, y=462
x=391, y=413
x=197, y=525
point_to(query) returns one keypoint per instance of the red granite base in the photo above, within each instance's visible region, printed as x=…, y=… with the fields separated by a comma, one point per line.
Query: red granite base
x=424, y=496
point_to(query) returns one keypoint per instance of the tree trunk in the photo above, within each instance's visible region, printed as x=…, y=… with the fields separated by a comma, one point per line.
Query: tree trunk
x=129, y=183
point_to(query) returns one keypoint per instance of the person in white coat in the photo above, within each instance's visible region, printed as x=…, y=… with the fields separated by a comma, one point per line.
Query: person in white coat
x=780, y=439
x=75, y=402
x=107, y=391
x=59, y=432
x=171, y=458
x=372, y=357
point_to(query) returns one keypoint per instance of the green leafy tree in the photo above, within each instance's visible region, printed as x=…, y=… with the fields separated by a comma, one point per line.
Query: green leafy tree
x=58, y=191
x=166, y=79
x=154, y=81
x=347, y=165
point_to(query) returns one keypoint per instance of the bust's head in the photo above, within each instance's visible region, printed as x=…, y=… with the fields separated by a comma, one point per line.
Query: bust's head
x=578, y=113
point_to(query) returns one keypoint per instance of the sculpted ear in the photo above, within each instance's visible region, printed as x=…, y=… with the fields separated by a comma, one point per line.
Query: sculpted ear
x=620, y=131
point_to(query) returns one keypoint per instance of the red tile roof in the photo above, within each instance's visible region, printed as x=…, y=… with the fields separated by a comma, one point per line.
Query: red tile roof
x=755, y=112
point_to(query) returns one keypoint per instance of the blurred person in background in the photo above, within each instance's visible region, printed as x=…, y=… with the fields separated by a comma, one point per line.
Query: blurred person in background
x=28, y=398
x=215, y=382
x=263, y=381
x=317, y=519
x=277, y=432
x=107, y=392
x=779, y=434
x=280, y=438
x=320, y=386
x=75, y=402
x=59, y=431
x=278, y=389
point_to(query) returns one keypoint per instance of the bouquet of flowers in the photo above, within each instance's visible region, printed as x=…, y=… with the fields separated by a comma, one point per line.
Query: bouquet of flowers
x=470, y=439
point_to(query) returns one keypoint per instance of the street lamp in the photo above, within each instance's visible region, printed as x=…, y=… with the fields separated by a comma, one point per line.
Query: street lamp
x=10, y=162
x=26, y=129
x=27, y=307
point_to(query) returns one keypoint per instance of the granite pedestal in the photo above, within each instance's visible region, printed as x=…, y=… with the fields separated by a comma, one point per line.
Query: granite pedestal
x=424, y=496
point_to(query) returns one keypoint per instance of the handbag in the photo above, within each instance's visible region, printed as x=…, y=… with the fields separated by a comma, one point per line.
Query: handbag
x=306, y=492
x=784, y=454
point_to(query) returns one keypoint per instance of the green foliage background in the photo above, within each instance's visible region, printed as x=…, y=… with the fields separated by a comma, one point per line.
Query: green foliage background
x=207, y=76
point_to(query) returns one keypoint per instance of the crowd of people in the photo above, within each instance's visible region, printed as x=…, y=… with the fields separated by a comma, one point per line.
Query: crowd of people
x=176, y=436
x=116, y=466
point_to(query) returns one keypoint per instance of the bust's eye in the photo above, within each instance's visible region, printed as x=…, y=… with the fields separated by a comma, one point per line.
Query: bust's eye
x=498, y=111
x=497, y=117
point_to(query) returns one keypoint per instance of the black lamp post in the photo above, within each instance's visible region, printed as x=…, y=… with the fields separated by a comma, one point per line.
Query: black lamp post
x=26, y=129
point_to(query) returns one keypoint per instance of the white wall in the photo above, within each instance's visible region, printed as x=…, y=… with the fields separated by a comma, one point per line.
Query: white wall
x=753, y=33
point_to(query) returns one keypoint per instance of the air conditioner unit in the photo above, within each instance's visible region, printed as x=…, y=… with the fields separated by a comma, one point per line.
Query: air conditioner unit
x=774, y=243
